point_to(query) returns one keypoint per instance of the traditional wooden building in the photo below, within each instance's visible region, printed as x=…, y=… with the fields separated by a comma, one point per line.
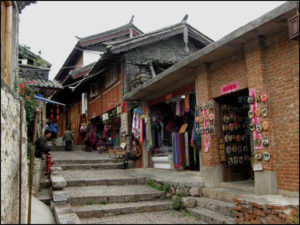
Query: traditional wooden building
x=125, y=65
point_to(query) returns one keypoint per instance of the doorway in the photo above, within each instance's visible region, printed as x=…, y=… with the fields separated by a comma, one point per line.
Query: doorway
x=236, y=136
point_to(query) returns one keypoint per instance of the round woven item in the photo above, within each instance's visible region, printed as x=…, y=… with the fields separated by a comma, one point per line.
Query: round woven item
x=231, y=126
x=264, y=112
x=211, y=116
x=211, y=104
x=238, y=138
x=265, y=142
x=258, y=112
x=252, y=126
x=257, y=98
x=265, y=125
x=250, y=99
x=259, y=128
x=250, y=114
x=264, y=97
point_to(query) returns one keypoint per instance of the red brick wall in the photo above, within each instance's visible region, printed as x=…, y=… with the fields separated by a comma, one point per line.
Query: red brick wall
x=282, y=71
x=275, y=71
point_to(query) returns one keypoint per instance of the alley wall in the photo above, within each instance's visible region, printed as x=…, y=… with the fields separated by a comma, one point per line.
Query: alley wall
x=10, y=154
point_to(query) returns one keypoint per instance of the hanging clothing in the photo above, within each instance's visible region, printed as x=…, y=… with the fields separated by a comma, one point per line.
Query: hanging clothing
x=136, y=130
x=186, y=145
x=148, y=132
x=156, y=135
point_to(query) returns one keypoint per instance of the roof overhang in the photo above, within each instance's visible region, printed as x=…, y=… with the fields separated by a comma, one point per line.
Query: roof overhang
x=184, y=71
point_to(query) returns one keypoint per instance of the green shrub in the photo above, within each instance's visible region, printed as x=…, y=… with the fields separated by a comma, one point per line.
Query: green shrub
x=177, y=204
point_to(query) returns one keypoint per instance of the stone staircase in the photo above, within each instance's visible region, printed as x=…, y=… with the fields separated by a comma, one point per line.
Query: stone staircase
x=98, y=191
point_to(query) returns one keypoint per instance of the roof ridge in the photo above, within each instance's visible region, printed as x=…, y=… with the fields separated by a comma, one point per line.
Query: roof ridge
x=127, y=25
x=143, y=35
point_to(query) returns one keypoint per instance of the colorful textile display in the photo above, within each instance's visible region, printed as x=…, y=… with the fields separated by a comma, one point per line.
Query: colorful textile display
x=136, y=129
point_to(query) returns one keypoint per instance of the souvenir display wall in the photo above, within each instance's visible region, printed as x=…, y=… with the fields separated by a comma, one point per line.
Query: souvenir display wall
x=205, y=122
x=234, y=126
x=258, y=114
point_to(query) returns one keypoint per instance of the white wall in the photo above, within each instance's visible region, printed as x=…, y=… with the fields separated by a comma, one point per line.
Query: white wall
x=90, y=56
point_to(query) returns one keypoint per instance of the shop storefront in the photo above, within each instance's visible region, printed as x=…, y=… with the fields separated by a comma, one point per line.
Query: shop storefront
x=166, y=129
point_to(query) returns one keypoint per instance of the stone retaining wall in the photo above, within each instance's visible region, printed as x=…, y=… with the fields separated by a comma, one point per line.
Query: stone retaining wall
x=10, y=154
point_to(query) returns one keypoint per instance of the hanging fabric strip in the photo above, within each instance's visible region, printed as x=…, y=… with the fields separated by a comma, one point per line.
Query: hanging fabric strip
x=195, y=161
x=173, y=148
x=178, y=150
x=177, y=108
x=186, y=142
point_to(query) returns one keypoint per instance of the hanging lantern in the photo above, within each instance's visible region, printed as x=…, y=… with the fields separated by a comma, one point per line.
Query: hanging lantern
x=57, y=105
x=57, y=118
x=57, y=111
x=51, y=116
x=51, y=110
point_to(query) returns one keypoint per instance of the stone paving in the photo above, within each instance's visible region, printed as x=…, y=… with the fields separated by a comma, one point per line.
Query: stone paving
x=160, y=217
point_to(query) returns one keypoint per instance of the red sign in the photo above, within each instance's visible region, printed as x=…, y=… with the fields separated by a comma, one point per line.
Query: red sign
x=229, y=88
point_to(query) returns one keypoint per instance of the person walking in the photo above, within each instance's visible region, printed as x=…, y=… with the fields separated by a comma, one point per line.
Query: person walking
x=68, y=138
x=54, y=130
x=41, y=144
x=134, y=154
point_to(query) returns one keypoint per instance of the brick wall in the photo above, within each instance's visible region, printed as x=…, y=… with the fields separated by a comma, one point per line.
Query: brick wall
x=270, y=66
x=282, y=71
x=259, y=212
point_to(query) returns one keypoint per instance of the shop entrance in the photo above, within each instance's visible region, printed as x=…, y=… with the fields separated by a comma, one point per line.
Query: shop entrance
x=236, y=137
x=172, y=126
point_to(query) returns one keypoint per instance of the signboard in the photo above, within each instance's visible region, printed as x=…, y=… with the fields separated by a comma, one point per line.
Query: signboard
x=257, y=167
x=124, y=125
x=229, y=88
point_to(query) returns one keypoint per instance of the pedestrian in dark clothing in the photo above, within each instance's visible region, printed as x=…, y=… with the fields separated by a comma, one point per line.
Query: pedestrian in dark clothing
x=68, y=138
x=41, y=144
x=134, y=154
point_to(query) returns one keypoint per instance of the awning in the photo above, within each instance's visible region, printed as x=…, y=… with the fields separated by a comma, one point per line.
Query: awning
x=48, y=101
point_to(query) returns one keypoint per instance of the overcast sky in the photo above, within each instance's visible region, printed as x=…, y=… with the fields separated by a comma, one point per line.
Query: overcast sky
x=51, y=26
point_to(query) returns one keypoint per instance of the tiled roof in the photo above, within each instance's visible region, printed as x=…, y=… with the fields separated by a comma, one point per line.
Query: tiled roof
x=52, y=84
x=129, y=43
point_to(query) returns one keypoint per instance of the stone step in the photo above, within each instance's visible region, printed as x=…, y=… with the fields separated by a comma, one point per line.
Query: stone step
x=45, y=195
x=246, y=186
x=45, y=182
x=84, y=161
x=103, y=166
x=100, y=177
x=110, y=194
x=221, y=207
x=224, y=194
x=158, y=217
x=99, y=210
x=210, y=217
x=62, y=147
x=90, y=182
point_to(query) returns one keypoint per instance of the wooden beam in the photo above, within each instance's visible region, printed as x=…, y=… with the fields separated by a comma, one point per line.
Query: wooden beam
x=8, y=36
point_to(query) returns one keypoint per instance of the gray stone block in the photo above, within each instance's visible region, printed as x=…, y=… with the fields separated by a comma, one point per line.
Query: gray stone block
x=60, y=196
x=58, y=182
x=188, y=202
x=55, y=170
x=195, y=192
x=181, y=190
